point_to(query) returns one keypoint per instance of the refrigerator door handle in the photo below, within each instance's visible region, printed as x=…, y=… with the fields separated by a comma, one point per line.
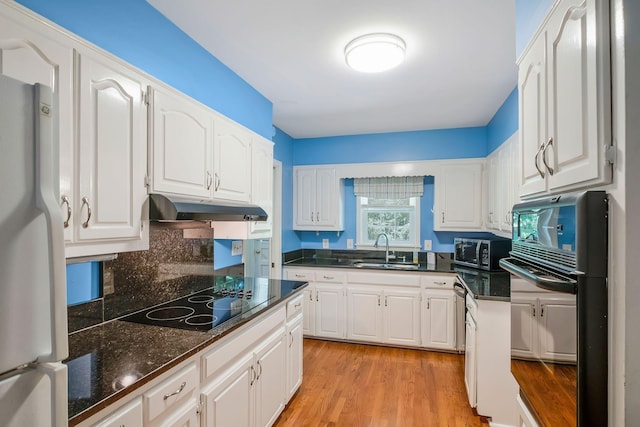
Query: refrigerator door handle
x=47, y=200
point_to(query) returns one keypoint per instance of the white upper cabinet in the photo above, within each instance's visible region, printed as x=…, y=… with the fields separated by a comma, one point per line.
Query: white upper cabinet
x=317, y=199
x=458, y=197
x=112, y=151
x=262, y=185
x=33, y=54
x=181, y=157
x=502, y=186
x=565, y=100
x=232, y=161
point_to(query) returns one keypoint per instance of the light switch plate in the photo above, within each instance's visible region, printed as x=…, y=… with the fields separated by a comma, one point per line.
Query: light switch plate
x=236, y=247
x=349, y=243
x=427, y=245
x=325, y=243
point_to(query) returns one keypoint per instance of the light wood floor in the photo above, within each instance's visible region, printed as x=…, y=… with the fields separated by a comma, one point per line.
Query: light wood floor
x=360, y=385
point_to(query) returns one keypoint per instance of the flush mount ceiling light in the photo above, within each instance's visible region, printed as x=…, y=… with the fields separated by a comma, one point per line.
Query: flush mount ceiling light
x=374, y=53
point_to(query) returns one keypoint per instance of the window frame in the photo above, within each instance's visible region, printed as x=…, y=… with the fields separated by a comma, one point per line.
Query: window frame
x=361, y=233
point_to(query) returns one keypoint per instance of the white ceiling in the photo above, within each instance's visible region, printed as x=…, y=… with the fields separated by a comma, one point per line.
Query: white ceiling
x=459, y=67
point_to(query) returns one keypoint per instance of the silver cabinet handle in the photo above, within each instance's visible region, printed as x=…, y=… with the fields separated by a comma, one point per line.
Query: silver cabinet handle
x=85, y=201
x=259, y=370
x=253, y=376
x=534, y=310
x=428, y=303
x=317, y=216
x=385, y=302
x=544, y=156
x=291, y=339
x=299, y=275
x=65, y=200
x=209, y=180
x=178, y=391
x=443, y=217
x=310, y=296
x=542, y=311
x=217, y=181
x=535, y=160
x=378, y=300
x=440, y=283
x=329, y=277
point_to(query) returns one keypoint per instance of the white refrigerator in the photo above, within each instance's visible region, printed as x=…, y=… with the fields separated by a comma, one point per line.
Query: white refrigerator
x=33, y=313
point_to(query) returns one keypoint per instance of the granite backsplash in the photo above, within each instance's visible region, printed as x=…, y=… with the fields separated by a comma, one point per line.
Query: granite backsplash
x=177, y=263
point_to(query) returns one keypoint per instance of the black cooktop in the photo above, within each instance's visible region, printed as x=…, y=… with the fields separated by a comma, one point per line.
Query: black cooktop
x=204, y=310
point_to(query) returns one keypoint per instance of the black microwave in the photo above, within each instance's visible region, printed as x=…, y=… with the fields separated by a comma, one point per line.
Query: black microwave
x=481, y=253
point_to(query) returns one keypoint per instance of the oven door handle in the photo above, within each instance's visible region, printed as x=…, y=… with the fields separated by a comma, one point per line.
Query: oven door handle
x=457, y=285
x=567, y=286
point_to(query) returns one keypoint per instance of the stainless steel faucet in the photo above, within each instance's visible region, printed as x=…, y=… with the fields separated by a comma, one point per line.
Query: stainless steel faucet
x=386, y=254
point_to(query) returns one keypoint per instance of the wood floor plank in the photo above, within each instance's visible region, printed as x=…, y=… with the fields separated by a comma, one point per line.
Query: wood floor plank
x=361, y=385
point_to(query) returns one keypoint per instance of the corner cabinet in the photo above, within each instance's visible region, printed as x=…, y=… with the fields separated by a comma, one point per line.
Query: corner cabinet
x=317, y=199
x=458, y=196
x=565, y=101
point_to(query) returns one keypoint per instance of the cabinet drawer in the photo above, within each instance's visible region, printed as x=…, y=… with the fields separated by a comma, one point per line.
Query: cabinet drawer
x=438, y=281
x=331, y=276
x=174, y=389
x=300, y=275
x=294, y=306
x=129, y=415
x=384, y=278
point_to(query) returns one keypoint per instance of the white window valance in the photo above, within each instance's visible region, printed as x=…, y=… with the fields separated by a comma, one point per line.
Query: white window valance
x=389, y=187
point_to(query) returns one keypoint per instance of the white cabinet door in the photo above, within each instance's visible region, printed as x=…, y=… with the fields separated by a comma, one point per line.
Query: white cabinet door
x=232, y=161
x=471, y=361
x=305, y=204
x=112, y=151
x=294, y=356
x=317, y=199
x=329, y=310
x=558, y=329
x=439, y=319
x=401, y=317
x=309, y=311
x=230, y=401
x=182, y=146
x=504, y=195
x=34, y=56
x=364, y=314
x=326, y=197
x=493, y=196
x=577, y=103
x=458, y=194
x=262, y=185
x=532, y=89
x=185, y=416
x=524, y=328
x=270, y=383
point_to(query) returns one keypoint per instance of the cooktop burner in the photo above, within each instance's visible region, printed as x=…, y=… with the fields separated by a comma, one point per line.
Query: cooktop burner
x=206, y=309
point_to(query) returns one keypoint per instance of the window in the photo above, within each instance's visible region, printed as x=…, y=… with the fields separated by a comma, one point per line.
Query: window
x=398, y=218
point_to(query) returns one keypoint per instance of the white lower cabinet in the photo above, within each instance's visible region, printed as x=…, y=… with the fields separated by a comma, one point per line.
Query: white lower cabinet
x=186, y=416
x=251, y=392
x=401, y=317
x=364, y=321
x=294, y=355
x=129, y=415
x=329, y=310
x=438, y=319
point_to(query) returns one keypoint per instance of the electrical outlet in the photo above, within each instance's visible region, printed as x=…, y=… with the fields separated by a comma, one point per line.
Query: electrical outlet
x=427, y=245
x=325, y=243
x=349, y=243
x=236, y=247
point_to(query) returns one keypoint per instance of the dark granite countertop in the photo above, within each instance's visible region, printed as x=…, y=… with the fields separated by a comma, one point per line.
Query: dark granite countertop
x=108, y=361
x=489, y=285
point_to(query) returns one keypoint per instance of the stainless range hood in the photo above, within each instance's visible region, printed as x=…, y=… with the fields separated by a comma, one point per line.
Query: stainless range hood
x=163, y=208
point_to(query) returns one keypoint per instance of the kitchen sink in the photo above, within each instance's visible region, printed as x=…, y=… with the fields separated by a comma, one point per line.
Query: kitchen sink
x=389, y=266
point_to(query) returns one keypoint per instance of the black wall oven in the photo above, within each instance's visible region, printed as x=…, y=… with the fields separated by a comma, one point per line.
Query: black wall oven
x=559, y=245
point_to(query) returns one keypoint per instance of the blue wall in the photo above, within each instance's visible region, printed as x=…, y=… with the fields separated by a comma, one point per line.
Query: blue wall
x=283, y=151
x=504, y=123
x=529, y=15
x=83, y=282
x=416, y=145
